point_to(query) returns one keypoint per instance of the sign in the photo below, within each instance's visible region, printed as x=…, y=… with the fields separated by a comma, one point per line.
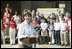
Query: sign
x=61, y=5
x=47, y=11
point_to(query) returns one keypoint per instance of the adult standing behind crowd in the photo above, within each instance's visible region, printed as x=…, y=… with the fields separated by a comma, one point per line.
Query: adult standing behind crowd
x=42, y=16
x=58, y=13
x=38, y=17
x=53, y=17
x=33, y=14
x=61, y=17
x=16, y=19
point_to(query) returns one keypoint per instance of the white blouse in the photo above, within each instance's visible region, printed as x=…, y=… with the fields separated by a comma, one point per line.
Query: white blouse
x=26, y=29
x=57, y=26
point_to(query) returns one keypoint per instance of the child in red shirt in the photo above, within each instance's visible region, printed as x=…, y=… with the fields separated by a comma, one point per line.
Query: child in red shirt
x=8, y=8
x=36, y=26
x=2, y=31
x=35, y=21
x=12, y=31
x=67, y=19
x=7, y=14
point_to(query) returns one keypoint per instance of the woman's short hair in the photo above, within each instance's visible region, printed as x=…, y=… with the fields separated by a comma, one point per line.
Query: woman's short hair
x=26, y=12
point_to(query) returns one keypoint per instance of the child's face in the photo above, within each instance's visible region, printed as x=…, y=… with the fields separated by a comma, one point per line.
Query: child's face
x=57, y=20
x=50, y=20
x=33, y=11
x=67, y=14
x=42, y=15
x=53, y=15
x=43, y=20
x=34, y=19
x=63, y=21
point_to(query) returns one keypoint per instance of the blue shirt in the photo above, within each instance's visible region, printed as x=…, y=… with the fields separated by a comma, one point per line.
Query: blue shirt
x=50, y=26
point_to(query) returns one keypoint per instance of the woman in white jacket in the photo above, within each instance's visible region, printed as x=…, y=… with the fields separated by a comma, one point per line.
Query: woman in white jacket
x=26, y=28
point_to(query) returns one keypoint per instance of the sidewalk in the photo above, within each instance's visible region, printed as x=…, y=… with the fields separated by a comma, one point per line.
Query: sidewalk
x=37, y=46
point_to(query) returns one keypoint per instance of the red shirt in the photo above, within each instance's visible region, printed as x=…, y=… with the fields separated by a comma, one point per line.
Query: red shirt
x=12, y=24
x=35, y=23
x=10, y=15
x=66, y=21
x=6, y=20
x=10, y=9
x=2, y=26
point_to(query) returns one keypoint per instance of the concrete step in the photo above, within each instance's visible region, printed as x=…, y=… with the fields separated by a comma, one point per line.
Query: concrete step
x=37, y=46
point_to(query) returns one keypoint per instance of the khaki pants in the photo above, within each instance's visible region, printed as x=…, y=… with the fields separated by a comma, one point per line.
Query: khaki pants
x=12, y=32
x=51, y=35
x=3, y=36
x=7, y=30
x=70, y=37
x=44, y=33
x=19, y=42
x=63, y=35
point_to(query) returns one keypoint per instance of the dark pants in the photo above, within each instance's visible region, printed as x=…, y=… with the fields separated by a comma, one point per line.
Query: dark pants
x=57, y=37
x=40, y=40
x=27, y=45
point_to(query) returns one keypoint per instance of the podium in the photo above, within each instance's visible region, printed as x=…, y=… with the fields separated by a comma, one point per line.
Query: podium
x=33, y=40
x=29, y=40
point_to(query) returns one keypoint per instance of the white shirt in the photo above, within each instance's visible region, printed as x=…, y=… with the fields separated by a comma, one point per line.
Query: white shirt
x=43, y=25
x=63, y=26
x=18, y=26
x=26, y=29
x=57, y=26
x=16, y=18
x=60, y=19
x=69, y=23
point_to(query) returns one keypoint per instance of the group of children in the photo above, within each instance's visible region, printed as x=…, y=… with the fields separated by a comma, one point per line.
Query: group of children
x=57, y=28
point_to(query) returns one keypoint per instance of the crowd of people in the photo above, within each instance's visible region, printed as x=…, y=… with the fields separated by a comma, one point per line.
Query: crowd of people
x=56, y=26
